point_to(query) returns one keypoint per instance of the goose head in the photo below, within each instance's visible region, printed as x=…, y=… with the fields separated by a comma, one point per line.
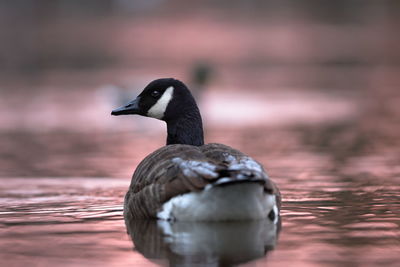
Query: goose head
x=164, y=99
x=169, y=100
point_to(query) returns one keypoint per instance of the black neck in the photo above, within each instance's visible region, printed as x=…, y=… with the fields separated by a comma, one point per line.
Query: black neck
x=187, y=129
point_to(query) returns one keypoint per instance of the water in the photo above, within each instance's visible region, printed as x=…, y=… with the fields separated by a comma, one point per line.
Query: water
x=340, y=187
x=326, y=219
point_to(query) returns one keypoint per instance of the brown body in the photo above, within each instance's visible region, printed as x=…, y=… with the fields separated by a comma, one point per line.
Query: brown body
x=158, y=178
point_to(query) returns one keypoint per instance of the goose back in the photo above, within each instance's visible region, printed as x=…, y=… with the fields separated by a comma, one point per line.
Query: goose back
x=178, y=169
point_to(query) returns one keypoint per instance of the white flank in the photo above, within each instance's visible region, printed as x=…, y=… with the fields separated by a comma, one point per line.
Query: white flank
x=226, y=203
x=158, y=109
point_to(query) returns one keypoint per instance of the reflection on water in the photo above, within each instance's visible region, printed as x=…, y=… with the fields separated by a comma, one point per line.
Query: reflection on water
x=202, y=243
x=339, y=179
x=327, y=218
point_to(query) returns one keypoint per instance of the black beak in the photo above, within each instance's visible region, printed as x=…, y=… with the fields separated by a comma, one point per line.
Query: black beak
x=131, y=108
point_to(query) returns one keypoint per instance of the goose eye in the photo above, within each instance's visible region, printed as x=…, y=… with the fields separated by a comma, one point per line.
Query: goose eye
x=155, y=94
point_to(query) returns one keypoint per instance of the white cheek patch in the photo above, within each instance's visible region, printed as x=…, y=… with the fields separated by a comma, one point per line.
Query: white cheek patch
x=158, y=109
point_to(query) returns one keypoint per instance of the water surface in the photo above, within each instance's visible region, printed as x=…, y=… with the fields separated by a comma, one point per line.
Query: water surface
x=337, y=210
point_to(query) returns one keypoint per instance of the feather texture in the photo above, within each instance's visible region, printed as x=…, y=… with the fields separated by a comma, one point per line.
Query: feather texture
x=174, y=170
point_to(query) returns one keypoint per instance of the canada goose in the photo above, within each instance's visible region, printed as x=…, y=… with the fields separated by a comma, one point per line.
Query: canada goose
x=187, y=180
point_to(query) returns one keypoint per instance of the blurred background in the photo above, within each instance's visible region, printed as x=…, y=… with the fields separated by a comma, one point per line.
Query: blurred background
x=309, y=88
x=263, y=64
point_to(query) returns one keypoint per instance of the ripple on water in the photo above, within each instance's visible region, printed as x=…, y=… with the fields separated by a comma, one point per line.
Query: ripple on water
x=78, y=221
x=56, y=200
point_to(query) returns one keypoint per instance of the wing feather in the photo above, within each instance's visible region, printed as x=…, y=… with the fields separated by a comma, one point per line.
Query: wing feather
x=177, y=169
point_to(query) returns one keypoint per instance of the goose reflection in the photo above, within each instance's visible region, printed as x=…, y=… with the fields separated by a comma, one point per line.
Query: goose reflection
x=204, y=243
